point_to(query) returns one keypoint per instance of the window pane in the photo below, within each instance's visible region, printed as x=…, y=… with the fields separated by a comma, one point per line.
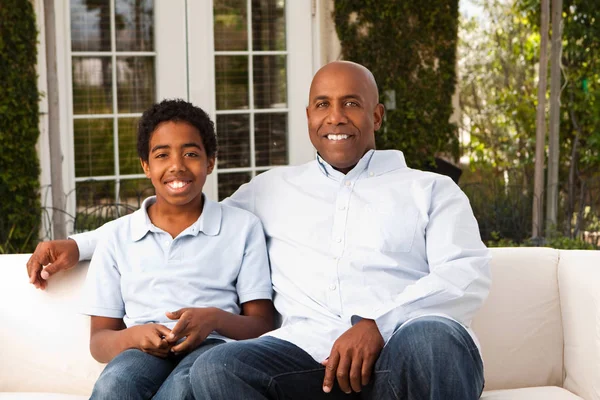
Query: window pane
x=134, y=22
x=270, y=88
x=94, y=150
x=270, y=137
x=231, y=75
x=233, y=132
x=92, y=85
x=90, y=25
x=229, y=183
x=231, y=25
x=135, y=83
x=134, y=191
x=268, y=24
x=95, y=205
x=129, y=162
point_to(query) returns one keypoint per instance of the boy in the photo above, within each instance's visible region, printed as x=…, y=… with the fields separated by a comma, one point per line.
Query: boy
x=179, y=276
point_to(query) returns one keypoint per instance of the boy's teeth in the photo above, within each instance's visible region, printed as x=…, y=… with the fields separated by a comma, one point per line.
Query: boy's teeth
x=337, y=137
x=177, y=184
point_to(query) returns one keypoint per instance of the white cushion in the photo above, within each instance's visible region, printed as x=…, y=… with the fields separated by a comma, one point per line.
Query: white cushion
x=519, y=326
x=579, y=283
x=536, y=393
x=44, y=340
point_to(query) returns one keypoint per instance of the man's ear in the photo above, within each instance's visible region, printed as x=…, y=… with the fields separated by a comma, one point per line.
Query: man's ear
x=211, y=164
x=145, y=167
x=378, y=114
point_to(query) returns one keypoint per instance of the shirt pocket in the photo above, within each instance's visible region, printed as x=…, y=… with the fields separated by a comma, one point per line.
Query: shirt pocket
x=388, y=227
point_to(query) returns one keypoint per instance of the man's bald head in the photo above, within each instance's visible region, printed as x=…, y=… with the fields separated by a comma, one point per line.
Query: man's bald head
x=343, y=113
x=360, y=71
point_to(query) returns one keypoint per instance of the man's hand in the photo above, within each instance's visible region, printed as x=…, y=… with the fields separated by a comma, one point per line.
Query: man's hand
x=195, y=324
x=151, y=339
x=56, y=255
x=352, y=357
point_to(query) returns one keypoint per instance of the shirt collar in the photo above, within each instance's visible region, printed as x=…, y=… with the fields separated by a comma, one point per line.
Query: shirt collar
x=376, y=162
x=208, y=223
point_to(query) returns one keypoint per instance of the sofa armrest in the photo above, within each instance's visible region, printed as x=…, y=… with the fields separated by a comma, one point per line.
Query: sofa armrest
x=579, y=286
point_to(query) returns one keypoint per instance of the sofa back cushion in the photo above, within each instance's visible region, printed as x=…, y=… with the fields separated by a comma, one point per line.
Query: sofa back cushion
x=519, y=326
x=579, y=284
x=44, y=341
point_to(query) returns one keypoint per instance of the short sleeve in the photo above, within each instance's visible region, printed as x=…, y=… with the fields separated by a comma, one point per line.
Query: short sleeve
x=254, y=279
x=102, y=290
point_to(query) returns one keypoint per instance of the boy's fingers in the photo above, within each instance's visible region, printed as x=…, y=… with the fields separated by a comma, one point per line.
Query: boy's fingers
x=175, y=314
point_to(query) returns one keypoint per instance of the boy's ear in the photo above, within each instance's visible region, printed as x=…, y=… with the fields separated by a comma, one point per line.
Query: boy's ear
x=145, y=167
x=211, y=164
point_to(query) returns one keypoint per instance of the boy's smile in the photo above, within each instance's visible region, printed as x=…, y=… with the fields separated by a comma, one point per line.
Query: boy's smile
x=177, y=166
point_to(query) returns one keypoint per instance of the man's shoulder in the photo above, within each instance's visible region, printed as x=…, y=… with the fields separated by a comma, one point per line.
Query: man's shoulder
x=284, y=172
x=237, y=217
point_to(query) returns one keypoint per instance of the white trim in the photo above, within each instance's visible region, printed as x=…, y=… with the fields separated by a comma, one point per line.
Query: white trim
x=170, y=49
x=109, y=177
x=251, y=52
x=253, y=111
x=117, y=53
x=106, y=116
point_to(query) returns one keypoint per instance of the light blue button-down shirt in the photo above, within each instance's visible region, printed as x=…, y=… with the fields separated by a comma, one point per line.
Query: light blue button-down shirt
x=138, y=271
x=383, y=242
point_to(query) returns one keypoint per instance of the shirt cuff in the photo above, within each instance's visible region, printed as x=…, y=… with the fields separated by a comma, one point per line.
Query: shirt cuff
x=389, y=322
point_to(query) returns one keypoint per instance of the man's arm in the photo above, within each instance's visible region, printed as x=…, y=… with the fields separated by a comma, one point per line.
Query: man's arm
x=458, y=283
x=58, y=255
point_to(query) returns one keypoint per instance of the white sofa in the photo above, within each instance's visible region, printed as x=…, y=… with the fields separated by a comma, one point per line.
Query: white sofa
x=539, y=329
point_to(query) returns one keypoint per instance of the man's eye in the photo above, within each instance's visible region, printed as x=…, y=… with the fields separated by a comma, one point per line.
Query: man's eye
x=351, y=104
x=321, y=105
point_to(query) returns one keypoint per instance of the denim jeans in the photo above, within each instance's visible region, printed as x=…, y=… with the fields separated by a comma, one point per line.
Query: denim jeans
x=427, y=358
x=134, y=374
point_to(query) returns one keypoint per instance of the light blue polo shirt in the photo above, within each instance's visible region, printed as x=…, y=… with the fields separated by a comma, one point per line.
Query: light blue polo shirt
x=138, y=271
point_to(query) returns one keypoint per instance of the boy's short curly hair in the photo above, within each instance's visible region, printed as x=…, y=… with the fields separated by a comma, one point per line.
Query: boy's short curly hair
x=175, y=110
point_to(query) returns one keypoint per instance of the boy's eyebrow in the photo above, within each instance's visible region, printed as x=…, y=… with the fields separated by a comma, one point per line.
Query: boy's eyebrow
x=166, y=146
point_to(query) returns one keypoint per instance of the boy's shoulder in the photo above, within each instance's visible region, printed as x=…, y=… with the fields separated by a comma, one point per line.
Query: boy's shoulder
x=237, y=216
x=121, y=229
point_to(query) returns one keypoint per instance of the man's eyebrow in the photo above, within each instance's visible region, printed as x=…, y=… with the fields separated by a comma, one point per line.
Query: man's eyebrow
x=344, y=97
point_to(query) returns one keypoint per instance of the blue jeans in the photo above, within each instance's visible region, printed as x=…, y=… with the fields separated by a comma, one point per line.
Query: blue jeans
x=427, y=358
x=134, y=374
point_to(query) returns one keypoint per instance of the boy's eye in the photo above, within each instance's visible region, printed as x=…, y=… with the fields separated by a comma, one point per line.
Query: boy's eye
x=191, y=154
x=160, y=155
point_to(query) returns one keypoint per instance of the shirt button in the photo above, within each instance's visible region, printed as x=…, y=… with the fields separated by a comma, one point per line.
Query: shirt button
x=371, y=174
x=167, y=242
x=341, y=207
x=332, y=287
x=338, y=240
x=347, y=183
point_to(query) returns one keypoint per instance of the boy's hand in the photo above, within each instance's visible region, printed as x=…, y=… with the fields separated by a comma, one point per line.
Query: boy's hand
x=151, y=339
x=195, y=324
x=56, y=255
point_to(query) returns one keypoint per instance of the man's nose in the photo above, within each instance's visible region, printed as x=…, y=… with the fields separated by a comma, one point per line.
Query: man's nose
x=337, y=115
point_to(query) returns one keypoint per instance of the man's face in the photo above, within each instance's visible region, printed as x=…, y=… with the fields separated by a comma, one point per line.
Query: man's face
x=343, y=114
x=177, y=164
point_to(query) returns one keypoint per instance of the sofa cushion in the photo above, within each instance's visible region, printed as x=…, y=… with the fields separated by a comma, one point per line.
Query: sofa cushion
x=40, y=396
x=536, y=393
x=44, y=340
x=579, y=284
x=519, y=326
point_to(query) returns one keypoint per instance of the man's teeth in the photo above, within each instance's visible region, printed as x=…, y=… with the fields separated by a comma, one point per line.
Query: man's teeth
x=337, y=137
x=177, y=184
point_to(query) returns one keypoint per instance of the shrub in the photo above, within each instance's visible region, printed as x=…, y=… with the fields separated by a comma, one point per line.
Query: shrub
x=19, y=126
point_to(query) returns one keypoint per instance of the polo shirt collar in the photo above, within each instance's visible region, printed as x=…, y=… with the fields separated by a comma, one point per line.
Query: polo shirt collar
x=208, y=223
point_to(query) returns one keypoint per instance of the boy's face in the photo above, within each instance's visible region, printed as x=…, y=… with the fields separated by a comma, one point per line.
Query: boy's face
x=177, y=163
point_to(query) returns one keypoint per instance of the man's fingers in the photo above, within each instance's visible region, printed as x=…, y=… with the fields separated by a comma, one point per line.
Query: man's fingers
x=367, y=370
x=356, y=374
x=330, y=370
x=343, y=372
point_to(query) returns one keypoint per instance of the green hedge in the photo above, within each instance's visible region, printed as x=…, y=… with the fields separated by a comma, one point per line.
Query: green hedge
x=19, y=128
x=411, y=49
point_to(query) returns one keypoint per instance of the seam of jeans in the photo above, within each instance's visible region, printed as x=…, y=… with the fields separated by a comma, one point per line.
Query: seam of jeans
x=306, y=371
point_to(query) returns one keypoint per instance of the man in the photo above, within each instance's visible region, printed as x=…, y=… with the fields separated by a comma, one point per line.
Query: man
x=377, y=269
